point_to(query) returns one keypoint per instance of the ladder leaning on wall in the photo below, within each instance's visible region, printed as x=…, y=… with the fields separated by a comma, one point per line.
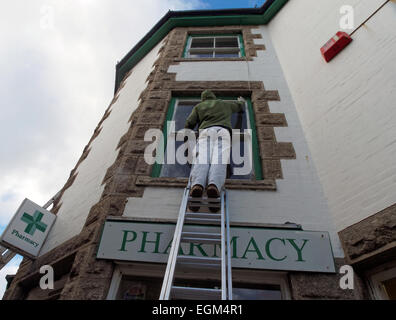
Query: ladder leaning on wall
x=200, y=228
x=6, y=255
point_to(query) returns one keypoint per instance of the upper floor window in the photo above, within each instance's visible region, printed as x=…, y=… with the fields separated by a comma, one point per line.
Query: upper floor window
x=178, y=112
x=214, y=46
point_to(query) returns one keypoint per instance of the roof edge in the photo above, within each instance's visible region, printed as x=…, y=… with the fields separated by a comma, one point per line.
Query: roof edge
x=172, y=19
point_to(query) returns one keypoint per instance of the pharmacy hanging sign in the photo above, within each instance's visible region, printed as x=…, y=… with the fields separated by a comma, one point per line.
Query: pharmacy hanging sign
x=257, y=248
x=28, y=229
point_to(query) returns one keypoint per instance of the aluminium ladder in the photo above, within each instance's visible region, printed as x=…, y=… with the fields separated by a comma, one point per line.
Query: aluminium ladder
x=187, y=232
x=6, y=254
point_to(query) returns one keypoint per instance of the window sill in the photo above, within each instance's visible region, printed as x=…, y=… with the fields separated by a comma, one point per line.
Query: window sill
x=232, y=184
x=209, y=59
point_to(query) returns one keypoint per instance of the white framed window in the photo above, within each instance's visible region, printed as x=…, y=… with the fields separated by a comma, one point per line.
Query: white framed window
x=214, y=46
x=139, y=281
x=180, y=109
x=382, y=282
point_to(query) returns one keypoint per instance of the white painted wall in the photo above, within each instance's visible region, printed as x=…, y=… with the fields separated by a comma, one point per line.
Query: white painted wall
x=299, y=197
x=347, y=107
x=87, y=188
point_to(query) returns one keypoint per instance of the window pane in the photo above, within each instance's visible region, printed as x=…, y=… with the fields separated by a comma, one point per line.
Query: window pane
x=390, y=288
x=238, y=121
x=133, y=288
x=182, y=111
x=226, y=54
x=227, y=42
x=202, y=43
x=232, y=173
x=176, y=170
x=240, y=291
x=201, y=55
x=256, y=294
x=223, y=46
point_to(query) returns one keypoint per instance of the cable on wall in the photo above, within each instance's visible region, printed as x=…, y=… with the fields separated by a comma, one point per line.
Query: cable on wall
x=369, y=17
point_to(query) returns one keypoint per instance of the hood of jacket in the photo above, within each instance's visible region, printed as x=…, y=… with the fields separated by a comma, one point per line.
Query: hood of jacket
x=208, y=95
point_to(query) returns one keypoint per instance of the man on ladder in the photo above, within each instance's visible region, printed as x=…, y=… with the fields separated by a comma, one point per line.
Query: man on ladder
x=213, y=117
x=212, y=151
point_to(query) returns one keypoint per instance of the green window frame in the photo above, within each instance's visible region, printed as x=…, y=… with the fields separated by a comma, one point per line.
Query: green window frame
x=257, y=167
x=214, y=52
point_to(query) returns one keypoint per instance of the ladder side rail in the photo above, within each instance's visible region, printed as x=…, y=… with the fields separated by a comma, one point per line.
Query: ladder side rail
x=5, y=254
x=52, y=200
x=170, y=267
x=2, y=250
x=223, y=252
x=229, y=254
x=7, y=257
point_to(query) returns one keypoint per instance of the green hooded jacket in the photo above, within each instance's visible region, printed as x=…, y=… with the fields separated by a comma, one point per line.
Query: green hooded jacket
x=213, y=112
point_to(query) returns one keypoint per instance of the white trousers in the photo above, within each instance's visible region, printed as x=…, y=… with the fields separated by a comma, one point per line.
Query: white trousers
x=212, y=154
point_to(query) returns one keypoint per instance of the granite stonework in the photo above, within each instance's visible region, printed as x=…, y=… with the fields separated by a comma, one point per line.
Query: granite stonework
x=317, y=286
x=371, y=241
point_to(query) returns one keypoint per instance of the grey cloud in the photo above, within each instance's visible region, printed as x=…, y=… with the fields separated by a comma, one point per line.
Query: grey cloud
x=57, y=62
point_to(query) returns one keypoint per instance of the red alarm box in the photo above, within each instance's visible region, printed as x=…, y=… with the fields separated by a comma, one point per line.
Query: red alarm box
x=335, y=45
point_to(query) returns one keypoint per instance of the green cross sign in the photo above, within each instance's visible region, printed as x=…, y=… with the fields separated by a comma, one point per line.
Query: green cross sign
x=33, y=222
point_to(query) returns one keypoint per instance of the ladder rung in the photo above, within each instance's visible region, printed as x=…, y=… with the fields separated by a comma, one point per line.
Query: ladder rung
x=214, y=222
x=197, y=237
x=201, y=240
x=213, y=235
x=202, y=229
x=203, y=215
x=202, y=218
x=199, y=260
x=204, y=200
x=195, y=293
x=205, y=206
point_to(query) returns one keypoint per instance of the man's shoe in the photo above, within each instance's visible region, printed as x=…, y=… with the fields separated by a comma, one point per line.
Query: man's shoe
x=196, y=192
x=213, y=192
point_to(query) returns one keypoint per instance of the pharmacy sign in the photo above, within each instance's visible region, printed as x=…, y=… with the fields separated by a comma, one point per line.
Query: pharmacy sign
x=28, y=229
x=251, y=247
x=34, y=222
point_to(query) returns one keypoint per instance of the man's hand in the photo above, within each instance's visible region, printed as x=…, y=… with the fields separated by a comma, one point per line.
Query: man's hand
x=241, y=99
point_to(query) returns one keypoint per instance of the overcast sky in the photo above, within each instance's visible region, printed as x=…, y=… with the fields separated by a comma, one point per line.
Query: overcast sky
x=57, y=66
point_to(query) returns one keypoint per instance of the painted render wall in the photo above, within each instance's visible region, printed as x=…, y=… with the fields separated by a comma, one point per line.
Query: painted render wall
x=87, y=187
x=346, y=107
x=299, y=197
